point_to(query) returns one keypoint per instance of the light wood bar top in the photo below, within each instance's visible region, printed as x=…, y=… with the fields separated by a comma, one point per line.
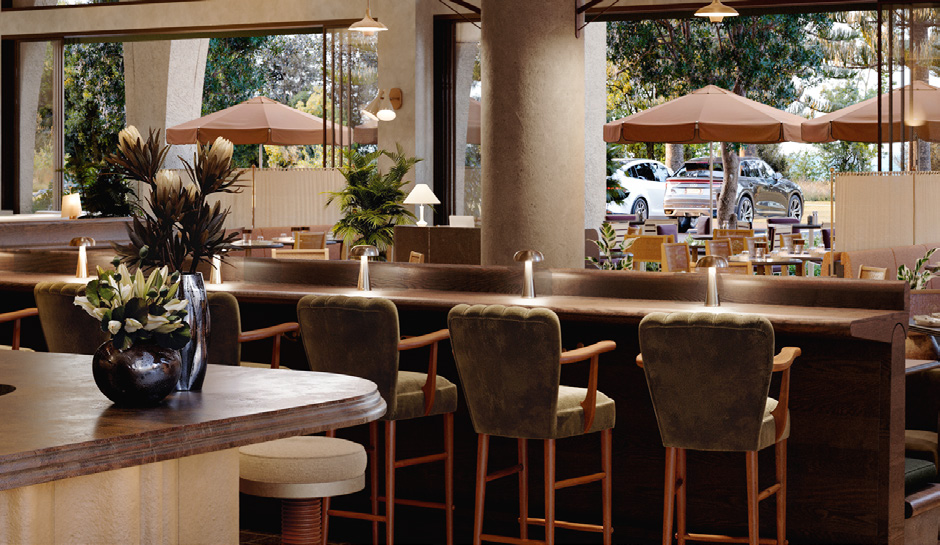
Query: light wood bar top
x=56, y=424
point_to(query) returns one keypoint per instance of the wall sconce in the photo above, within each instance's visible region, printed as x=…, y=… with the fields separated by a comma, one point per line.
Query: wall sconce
x=711, y=263
x=716, y=11
x=367, y=25
x=364, y=252
x=383, y=106
x=81, y=270
x=215, y=275
x=71, y=206
x=421, y=195
x=528, y=278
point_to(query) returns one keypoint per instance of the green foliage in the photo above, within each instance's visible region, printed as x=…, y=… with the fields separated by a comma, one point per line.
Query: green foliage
x=917, y=278
x=103, y=194
x=614, y=256
x=772, y=155
x=372, y=202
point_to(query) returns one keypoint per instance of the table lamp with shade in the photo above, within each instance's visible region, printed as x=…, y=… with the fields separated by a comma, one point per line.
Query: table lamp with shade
x=364, y=252
x=711, y=263
x=528, y=257
x=421, y=195
x=71, y=206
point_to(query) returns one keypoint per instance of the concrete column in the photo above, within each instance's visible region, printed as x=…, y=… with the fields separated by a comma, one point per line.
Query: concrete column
x=163, y=86
x=595, y=115
x=533, y=145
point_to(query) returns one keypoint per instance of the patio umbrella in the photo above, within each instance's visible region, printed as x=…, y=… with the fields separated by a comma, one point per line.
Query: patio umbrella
x=859, y=122
x=261, y=121
x=368, y=132
x=710, y=114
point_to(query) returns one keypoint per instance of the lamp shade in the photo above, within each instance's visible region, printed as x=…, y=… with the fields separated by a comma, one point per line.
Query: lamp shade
x=372, y=109
x=421, y=194
x=367, y=25
x=716, y=11
x=71, y=205
x=364, y=250
x=711, y=261
x=528, y=255
x=386, y=110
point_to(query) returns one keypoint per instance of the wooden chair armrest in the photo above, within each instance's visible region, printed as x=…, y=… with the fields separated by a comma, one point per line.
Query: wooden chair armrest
x=784, y=359
x=639, y=361
x=268, y=332
x=430, y=339
x=276, y=331
x=593, y=353
x=583, y=353
x=409, y=343
x=782, y=362
x=19, y=314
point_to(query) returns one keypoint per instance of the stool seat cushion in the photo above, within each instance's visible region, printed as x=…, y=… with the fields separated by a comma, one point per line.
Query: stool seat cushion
x=921, y=444
x=918, y=473
x=768, y=430
x=410, y=402
x=310, y=459
x=571, y=414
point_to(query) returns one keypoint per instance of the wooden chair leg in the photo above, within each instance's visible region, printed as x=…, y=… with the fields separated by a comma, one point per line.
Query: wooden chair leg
x=449, y=477
x=523, y=489
x=681, y=504
x=326, y=521
x=549, y=492
x=374, y=476
x=606, y=483
x=669, y=495
x=390, y=482
x=483, y=449
x=753, y=526
x=300, y=521
x=781, y=461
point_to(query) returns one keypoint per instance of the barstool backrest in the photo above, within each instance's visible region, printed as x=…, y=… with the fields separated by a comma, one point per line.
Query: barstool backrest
x=225, y=328
x=508, y=359
x=66, y=327
x=355, y=336
x=708, y=376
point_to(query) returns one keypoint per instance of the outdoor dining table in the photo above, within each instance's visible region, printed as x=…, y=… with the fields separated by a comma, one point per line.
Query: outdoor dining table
x=248, y=245
x=811, y=227
x=765, y=265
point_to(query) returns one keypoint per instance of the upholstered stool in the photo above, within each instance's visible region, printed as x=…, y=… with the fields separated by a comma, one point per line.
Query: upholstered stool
x=300, y=471
x=709, y=377
x=509, y=360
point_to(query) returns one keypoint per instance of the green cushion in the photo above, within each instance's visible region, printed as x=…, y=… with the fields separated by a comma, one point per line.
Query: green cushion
x=508, y=359
x=709, y=376
x=224, y=329
x=768, y=430
x=917, y=474
x=410, y=396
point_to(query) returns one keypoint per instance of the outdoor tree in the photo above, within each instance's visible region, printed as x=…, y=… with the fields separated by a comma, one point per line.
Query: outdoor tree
x=765, y=58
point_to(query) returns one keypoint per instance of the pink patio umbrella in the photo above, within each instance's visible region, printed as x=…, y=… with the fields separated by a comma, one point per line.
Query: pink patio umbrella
x=368, y=132
x=710, y=114
x=261, y=121
x=859, y=122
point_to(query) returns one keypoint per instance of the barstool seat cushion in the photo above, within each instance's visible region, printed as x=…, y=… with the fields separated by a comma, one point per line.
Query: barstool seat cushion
x=302, y=467
x=768, y=430
x=571, y=414
x=921, y=444
x=410, y=402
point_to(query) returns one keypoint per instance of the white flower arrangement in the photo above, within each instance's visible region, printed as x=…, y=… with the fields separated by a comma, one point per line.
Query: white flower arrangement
x=135, y=309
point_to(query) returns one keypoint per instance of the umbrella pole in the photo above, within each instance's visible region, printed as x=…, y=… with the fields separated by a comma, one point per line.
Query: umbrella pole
x=252, y=198
x=711, y=180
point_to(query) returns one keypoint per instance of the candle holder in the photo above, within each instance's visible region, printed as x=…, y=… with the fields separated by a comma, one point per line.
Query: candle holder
x=364, y=252
x=528, y=280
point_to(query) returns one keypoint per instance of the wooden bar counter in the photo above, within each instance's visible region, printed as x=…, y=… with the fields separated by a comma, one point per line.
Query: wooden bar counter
x=846, y=449
x=76, y=469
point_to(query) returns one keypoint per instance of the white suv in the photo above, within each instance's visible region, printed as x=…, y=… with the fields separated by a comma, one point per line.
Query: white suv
x=645, y=181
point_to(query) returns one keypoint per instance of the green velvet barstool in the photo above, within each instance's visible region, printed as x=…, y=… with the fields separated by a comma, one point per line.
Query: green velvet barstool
x=509, y=360
x=359, y=336
x=709, y=378
x=66, y=327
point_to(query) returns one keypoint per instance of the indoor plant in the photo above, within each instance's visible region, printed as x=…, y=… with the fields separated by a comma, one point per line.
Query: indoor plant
x=372, y=202
x=139, y=365
x=178, y=227
x=918, y=279
x=614, y=256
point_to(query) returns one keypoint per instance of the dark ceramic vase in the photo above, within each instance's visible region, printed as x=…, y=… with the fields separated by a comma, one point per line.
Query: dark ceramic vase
x=140, y=376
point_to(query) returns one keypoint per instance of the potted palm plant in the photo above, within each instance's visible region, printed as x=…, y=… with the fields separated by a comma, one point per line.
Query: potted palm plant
x=372, y=201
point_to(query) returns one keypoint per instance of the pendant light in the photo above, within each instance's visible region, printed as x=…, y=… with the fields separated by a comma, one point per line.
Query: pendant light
x=368, y=26
x=716, y=11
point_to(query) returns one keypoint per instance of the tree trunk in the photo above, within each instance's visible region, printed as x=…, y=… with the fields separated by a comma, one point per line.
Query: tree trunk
x=919, y=66
x=650, y=148
x=675, y=156
x=729, y=188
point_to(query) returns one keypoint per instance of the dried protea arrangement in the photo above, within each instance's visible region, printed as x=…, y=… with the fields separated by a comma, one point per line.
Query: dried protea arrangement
x=178, y=224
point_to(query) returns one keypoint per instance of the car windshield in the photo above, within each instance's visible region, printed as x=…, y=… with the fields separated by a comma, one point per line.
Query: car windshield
x=697, y=170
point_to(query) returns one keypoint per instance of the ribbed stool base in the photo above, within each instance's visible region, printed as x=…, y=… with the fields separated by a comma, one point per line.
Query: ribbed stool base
x=301, y=521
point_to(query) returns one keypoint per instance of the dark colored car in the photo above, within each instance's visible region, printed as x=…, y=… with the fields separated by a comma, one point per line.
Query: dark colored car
x=761, y=191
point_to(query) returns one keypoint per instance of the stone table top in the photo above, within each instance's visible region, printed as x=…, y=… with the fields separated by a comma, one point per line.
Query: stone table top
x=56, y=424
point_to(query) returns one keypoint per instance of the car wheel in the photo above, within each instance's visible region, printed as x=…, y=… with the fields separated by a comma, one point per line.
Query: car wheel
x=685, y=223
x=745, y=209
x=795, y=208
x=641, y=209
